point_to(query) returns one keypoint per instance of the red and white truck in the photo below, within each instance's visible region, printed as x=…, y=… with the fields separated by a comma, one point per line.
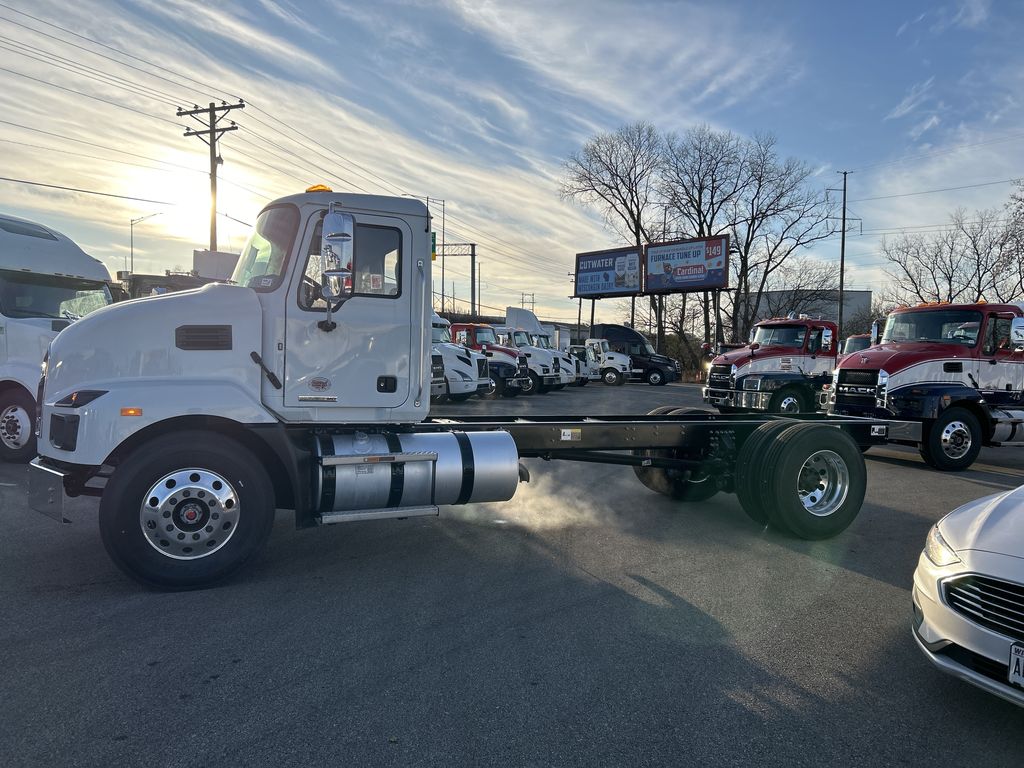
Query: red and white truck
x=951, y=374
x=304, y=386
x=783, y=370
x=509, y=369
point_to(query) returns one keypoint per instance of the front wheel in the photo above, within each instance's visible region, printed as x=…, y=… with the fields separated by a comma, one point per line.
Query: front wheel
x=531, y=385
x=655, y=377
x=186, y=510
x=17, y=437
x=611, y=377
x=953, y=441
x=788, y=400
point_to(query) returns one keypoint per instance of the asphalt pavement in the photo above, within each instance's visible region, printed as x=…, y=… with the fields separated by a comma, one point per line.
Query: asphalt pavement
x=588, y=622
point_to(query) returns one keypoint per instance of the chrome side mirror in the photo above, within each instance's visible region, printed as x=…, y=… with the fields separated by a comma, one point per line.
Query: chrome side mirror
x=1017, y=333
x=876, y=333
x=336, y=255
x=826, y=340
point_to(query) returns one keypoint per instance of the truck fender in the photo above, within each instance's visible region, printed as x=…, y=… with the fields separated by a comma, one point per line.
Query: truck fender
x=927, y=401
x=104, y=425
x=20, y=374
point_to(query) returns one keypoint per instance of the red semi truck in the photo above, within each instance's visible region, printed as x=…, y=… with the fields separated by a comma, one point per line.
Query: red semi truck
x=783, y=370
x=951, y=374
x=508, y=367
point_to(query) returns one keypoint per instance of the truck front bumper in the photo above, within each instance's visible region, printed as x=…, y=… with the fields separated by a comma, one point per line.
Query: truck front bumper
x=46, y=489
x=719, y=397
x=518, y=382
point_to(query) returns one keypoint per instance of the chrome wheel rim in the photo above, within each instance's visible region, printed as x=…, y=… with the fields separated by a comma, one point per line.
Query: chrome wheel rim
x=15, y=427
x=610, y=377
x=789, y=404
x=956, y=440
x=823, y=483
x=189, y=514
x=655, y=378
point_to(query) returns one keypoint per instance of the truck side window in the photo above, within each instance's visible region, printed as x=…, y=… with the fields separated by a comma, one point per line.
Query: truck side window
x=998, y=334
x=377, y=265
x=814, y=344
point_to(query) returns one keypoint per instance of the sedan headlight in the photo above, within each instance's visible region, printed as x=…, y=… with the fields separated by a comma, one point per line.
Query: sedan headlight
x=938, y=550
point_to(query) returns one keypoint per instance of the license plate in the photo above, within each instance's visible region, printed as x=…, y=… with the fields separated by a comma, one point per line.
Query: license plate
x=1016, y=675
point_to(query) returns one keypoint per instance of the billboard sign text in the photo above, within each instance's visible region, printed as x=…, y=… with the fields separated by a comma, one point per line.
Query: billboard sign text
x=608, y=273
x=699, y=264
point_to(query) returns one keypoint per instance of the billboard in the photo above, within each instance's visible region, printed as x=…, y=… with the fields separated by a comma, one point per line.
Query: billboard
x=615, y=272
x=698, y=264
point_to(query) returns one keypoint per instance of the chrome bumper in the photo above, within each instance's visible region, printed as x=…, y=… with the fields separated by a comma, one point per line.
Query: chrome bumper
x=46, y=490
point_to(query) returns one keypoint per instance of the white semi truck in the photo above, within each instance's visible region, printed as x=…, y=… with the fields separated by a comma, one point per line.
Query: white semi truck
x=305, y=386
x=544, y=367
x=615, y=366
x=524, y=320
x=46, y=281
x=465, y=371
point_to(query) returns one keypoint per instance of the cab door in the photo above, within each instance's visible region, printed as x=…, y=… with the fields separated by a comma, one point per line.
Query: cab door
x=364, y=360
x=1001, y=366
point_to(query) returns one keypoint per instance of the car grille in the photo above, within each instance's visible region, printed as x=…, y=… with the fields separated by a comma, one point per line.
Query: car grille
x=720, y=376
x=991, y=603
x=481, y=368
x=983, y=665
x=857, y=388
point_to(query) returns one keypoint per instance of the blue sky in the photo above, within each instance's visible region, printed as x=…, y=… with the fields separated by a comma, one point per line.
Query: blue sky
x=478, y=103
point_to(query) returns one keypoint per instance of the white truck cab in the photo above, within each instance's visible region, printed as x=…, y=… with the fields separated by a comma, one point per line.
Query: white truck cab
x=589, y=364
x=615, y=366
x=465, y=371
x=46, y=282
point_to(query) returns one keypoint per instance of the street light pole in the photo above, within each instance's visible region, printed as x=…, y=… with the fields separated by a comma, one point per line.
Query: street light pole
x=131, y=234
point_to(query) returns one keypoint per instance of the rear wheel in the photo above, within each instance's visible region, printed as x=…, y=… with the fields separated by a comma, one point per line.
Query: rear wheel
x=953, y=441
x=749, y=467
x=17, y=435
x=186, y=510
x=679, y=484
x=611, y=377
x=813, y=480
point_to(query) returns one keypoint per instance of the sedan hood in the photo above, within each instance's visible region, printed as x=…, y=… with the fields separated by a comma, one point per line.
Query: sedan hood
x=990, y=524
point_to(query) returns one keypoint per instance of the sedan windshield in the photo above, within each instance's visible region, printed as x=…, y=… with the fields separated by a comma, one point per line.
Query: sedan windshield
x=780, y=336
x=29, y=295
x=949, y=326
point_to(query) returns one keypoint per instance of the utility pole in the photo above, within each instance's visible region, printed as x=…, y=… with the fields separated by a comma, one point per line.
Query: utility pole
x=472, y=279
x=842, y=263
x=214, y=114
x=533, y=300
x=479, y=287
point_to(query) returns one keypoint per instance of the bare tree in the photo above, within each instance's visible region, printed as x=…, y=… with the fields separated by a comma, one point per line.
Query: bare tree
x=860, y=322
x=618, y=173
x=977, y=257
x=801, y=285
x=702, y=175
x=776, y=213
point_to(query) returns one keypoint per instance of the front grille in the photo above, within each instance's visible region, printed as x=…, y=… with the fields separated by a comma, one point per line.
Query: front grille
x=523, y=365
x=481, y=368
x=437, y=368
x=720, y=376
x=991, y=603
x=983, y=665
x=857, y=388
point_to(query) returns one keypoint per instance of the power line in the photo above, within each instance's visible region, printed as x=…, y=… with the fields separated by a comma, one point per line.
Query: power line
x=85, y=191
x=937, y=153
x=931, y=191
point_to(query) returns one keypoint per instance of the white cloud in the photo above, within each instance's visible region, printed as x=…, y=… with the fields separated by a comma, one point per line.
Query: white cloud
x=914, y=98
x=924, y=126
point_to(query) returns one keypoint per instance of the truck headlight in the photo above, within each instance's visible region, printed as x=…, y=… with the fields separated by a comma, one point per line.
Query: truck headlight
x=752, y=383
x=882, y=388
x=938, y=550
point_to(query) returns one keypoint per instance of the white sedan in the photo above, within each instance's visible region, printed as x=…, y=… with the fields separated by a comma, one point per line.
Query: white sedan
x=969, y=594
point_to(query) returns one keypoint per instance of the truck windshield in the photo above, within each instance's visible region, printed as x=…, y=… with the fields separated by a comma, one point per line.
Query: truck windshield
x=542, y=341
x=486, y=336
x=521, y=338
x=264, y=257
x=440, y=334
x=948, y=326
x=24, y=294
x=780, y=336
x=856, y=344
